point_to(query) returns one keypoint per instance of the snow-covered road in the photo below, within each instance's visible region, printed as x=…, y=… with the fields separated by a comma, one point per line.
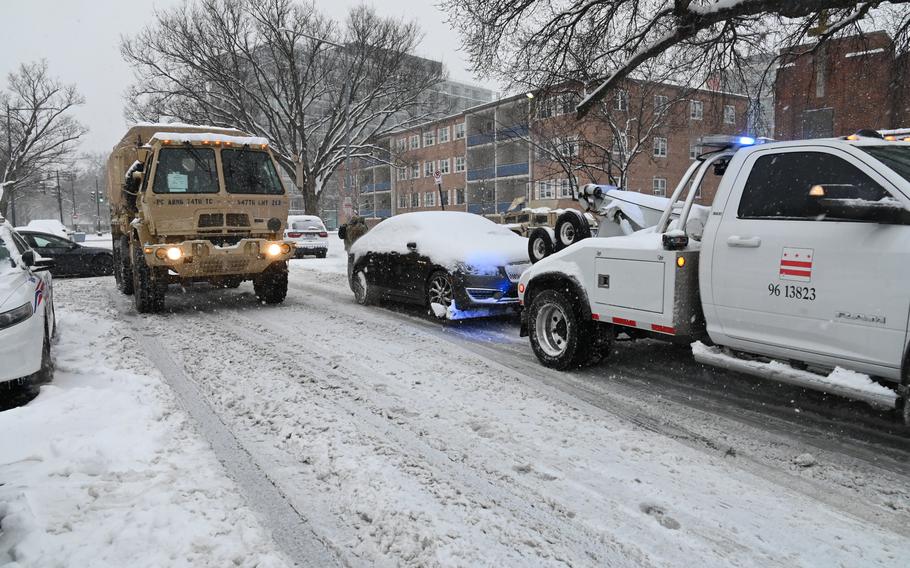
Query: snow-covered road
x=396, y=440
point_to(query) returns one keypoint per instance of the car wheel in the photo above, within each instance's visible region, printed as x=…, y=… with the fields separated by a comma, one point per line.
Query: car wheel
x=560, y=337
x=322, y=253
x=440, y=289
x=570, y=228
x=363, y=290
x=540, y=245
x=103, y=265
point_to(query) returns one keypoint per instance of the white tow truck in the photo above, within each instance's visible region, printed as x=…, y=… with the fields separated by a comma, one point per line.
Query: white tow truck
x=795, y=273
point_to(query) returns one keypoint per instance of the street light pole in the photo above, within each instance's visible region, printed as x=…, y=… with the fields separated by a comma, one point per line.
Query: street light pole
x=97, y=208
x=59, y=196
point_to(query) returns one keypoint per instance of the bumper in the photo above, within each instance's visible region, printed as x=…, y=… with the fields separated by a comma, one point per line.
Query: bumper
x=481, y=296
x=201, y=258
x=20, y=348
x=302, y=248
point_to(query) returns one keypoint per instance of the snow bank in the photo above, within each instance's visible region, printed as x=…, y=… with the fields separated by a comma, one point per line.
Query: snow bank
x=102, y=470
x=447, y=238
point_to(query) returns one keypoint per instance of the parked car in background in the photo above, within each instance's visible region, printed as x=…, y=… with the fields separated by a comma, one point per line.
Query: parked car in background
x=51, y=226
x=459, y=265
x=70, y=259
x=309, y=235
x=27, y=321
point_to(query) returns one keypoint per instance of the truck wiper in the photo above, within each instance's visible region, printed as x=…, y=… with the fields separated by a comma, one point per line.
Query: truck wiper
x=195, y=154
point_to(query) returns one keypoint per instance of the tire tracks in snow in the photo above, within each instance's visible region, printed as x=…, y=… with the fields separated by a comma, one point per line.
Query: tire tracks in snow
x=626, y=407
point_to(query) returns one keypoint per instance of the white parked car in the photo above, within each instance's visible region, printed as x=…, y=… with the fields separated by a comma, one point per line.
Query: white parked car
x=27, y=322
x=309, y=235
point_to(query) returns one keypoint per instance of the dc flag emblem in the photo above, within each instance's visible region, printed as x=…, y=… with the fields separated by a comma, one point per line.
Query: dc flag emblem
x=796, y=264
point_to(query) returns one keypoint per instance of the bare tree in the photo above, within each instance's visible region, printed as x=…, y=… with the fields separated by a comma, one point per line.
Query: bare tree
x=537, y=43
x=37, y=130
x=280, y=69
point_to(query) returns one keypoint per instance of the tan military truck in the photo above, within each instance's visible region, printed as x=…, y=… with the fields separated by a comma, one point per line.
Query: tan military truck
x=196, y=204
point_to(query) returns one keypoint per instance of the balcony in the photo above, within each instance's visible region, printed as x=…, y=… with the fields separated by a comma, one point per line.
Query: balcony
x=380, y=186
x=512, y=132
x=506, y=170
x=478, y=139
x=482, y=173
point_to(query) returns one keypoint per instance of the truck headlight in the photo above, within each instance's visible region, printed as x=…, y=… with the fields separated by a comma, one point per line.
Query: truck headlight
x=277, y=249
x=16, y=315
x=174, y=253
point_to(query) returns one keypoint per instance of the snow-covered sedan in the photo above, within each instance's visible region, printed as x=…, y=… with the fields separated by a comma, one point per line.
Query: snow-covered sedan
x=459, y=265
x=309, y=235
x=27, y=321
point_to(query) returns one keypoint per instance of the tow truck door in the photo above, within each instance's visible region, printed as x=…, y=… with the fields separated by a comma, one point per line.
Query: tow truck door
x=785, y=279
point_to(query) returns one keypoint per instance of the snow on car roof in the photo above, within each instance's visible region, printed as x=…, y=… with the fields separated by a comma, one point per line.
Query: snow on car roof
x=448, y=238
x=51, y=226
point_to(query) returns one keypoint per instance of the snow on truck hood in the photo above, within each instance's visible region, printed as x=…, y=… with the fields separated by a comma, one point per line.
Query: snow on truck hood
x=448, y=238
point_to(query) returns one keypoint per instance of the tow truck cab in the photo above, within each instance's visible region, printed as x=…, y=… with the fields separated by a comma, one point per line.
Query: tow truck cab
x=802, y=258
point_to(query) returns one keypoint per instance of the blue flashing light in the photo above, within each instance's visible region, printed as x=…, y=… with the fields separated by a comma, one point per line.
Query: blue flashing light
x=746, y=141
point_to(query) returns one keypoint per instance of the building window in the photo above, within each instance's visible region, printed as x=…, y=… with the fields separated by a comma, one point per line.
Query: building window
x=696, y=110
x=660, y=102
x=459, y=164
x=565, y=189
x=429, y=138
x=445, y=166
x=429, y=199
x=459, y=131
x=401, y=173
x=428, y=168
x=570, y=146
x=621, y=101
x=415, y=200
x=415, y=142
x=401, y=144
x=546, y=189
x=660, y=147
x=444, y=197
x=620, y=144
x=415, y=170
x=729, y=114
x=659, y=186
x=693, y=150
x=403, y=201
x=443, y=134
x=457, y=196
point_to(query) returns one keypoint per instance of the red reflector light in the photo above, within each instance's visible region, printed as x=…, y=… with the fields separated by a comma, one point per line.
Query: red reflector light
x=521, y=288
x=621, y=321
x=595, y=316
x=323, y=234
x=295, y=235
x=663, y=329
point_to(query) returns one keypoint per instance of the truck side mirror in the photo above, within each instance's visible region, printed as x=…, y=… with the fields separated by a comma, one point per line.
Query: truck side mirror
x=137, y=177
x=825, y=202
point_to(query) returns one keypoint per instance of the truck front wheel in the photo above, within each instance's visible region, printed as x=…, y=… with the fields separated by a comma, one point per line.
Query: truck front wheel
x=271, y=286
x=123, y=268
x=560, y=337
x=149, y=284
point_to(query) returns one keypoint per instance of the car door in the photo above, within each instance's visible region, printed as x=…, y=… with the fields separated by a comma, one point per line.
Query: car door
x=786, y=278
x=63, y=252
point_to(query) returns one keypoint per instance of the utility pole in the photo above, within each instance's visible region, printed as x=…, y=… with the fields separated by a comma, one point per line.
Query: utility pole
x=9, y=162
x=59, y=196
x=97, y=207
x=73, y=196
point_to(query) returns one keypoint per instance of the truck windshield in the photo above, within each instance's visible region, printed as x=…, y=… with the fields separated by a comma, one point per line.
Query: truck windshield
x=250, y=172
x=186, y=170
x=895, y=157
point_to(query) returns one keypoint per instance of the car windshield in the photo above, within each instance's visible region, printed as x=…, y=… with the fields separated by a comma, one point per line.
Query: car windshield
x=307, y=226
x=895, y=157
x=186, y=170
x=250, y=172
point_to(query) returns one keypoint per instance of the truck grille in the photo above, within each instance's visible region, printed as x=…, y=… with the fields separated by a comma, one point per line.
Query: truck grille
x=211, y=220
x=238, y=220
x=217, y=220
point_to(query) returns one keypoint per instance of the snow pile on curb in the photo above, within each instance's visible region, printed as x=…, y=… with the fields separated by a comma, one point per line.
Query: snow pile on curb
x=102, y=470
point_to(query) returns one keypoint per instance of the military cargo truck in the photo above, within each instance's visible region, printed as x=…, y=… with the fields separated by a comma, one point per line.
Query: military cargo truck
x=196, y=204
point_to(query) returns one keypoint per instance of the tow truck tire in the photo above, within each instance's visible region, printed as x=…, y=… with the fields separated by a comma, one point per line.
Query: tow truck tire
x=149, y=284
x=560, y=337
x=540, y=245
x=571, y=227
x=271, y=286
x=123, y=267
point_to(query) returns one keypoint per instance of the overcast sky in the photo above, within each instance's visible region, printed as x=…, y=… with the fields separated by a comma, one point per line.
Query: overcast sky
x=80, y=40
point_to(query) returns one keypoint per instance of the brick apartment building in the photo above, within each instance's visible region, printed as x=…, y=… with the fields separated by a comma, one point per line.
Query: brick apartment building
x=497, y=156
x=836, y=89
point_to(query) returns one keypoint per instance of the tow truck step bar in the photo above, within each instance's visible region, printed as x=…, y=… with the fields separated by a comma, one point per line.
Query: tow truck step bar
x=874, y=394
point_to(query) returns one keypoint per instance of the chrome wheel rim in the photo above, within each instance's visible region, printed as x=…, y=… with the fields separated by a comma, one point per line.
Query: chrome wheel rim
x=567, y=234
x=360, y=286
x=552, y=327
x=440, y=291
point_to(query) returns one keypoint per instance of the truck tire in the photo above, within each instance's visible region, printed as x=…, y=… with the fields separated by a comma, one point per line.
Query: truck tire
x=570, y=228
x=123, y=267
x=271, y=286
x=149, y=284
x=560, y=337
x=540, y=245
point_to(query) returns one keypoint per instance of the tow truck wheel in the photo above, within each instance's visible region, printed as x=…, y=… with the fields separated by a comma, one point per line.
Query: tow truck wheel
x=570, y=228
x=149, y=284
x=560, y=337
x=540, y=245
x=271, y=286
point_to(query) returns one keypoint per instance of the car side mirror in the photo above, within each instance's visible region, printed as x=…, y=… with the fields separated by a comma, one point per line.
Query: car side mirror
x=342, y=231
x=28, y=258
x=42, y=264
x=412, y=247
x=885, y=211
